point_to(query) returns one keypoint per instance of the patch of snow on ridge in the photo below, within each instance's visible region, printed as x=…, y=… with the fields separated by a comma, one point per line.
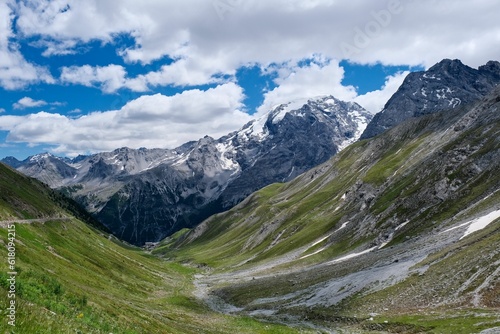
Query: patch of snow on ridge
x=476, y=224
x=361, y=124
x=352, y=255
x=481, y=222
x=226, y=163
x=330, y=101
x=296, y=105
x=39, y=157
x=402, y=225
x=259, y=127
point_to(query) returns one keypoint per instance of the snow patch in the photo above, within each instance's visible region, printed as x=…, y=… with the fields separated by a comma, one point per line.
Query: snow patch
x=343, y=226
x=352, y=255
x=454, y=102
x=386, y=242
x=480, y=223
x=402, y=225
x=39, y=157
x=226, y=163
x=183, y=158
x=476, y=224
x=287, y=107
x=361, y=124
x=455, y=227
x=321, y=240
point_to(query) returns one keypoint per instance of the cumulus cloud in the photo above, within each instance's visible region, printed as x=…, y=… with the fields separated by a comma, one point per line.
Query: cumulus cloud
x=317, y=78
x=392, y=32
x=28, y=102
x=2, y=110
x=208, y=39
x=149, y=121
x=374, y=101
x=183, y=72
x=108, y=78
x=15, y=71
x=211, y=39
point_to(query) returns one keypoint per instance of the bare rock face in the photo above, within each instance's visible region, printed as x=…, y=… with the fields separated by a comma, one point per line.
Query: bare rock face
x=446, y=85
x=146, y=194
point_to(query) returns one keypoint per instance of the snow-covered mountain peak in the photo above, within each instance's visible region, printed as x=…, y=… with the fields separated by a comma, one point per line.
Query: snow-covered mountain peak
x=41, y=156
x=278, y=113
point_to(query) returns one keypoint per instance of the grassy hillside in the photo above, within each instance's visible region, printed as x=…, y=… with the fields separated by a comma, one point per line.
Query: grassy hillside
x=370, y=232
x=25, y=198
x=22, y=197
x=74, y=278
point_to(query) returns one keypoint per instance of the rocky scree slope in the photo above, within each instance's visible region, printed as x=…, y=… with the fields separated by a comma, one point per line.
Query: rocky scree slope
x=448, y=84
x=404, y=223
x=146, y=194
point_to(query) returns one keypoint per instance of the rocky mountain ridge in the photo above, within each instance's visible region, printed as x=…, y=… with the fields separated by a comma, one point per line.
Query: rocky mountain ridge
x=448, y=84
x=146, y=194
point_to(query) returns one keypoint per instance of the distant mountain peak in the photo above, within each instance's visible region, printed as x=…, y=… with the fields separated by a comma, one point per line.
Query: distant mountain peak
x=446, y=63
x=40, y=156
x=146, y=194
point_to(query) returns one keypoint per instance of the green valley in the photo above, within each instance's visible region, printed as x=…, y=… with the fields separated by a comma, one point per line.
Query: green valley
x=74, y=278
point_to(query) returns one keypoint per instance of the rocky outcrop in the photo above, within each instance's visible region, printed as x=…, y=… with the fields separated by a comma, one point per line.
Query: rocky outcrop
x=446, y=85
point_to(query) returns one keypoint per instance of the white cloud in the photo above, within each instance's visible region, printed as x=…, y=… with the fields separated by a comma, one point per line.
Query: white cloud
x=108, y=78
x=374, y=101
x=317, y=78
x=2, y=110
x=149, y=121
x=208, y=38
x=258, y=31
x=325, y=78
x=15, y=71
x=214, y=38
x=28, y=102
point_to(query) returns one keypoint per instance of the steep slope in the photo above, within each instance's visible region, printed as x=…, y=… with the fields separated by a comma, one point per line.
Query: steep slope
x=405, y=226
x=72, y=278
x=447, y=84
x=25, y=198
x=144, y=195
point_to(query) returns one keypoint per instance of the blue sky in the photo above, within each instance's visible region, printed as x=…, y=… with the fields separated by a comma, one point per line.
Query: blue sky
x=79, y=77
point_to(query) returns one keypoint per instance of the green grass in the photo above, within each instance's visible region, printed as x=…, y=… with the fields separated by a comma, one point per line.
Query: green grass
x=392, y=161
x=72, y=279
x=23, y=197
x=465, y=321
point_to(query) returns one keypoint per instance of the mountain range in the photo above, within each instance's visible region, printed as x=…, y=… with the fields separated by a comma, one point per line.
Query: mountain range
x=147, y=194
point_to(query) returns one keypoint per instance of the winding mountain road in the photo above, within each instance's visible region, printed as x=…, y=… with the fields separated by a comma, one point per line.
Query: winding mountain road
x=4, y=223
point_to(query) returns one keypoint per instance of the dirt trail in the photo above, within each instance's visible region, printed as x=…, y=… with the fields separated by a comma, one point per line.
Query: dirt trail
x=4, y=223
